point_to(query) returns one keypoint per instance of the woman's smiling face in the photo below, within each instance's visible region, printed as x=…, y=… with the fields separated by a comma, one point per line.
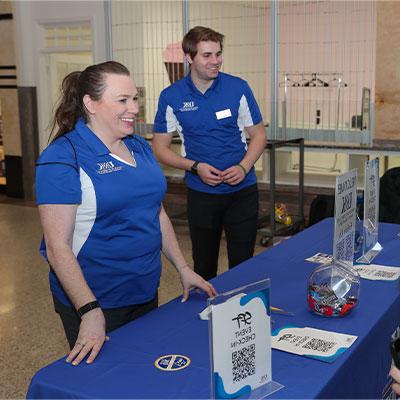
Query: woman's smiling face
x=115, y=112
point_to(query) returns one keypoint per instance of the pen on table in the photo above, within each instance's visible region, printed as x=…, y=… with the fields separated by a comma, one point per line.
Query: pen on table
x=277, y=310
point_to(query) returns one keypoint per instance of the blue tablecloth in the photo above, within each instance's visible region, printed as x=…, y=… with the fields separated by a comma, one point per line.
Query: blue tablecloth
x=125, y=367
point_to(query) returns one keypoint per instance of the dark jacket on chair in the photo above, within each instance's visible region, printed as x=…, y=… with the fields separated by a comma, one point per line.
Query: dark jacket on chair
x=389, y=196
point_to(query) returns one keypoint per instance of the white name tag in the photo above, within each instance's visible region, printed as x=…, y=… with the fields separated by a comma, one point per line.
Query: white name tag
x=223, y=114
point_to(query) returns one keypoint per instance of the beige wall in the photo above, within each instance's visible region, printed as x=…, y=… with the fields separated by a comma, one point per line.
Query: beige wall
x=8, y=97
x=387, y=81
x=7, y=54
x=10, y=116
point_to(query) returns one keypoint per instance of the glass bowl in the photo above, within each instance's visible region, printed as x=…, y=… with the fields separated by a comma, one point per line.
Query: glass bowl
x=333, y=290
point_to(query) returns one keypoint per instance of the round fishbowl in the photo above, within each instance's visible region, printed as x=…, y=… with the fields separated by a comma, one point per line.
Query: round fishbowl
x=333, y=290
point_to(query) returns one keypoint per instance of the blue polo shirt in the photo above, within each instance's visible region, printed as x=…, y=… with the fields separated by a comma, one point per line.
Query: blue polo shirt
x=117, y=237
x=211, y=125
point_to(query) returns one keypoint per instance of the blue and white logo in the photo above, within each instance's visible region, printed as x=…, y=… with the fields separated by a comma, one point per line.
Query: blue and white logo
x=188, y=106
x=107, y=167
x=172, y=362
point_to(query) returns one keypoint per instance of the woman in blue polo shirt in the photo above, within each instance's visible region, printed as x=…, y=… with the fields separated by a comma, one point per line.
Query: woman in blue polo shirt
x=99, y=191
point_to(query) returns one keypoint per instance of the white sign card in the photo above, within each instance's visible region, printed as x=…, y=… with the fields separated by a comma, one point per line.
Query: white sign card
x=373, y=272
x=371, y=212
x=320, y=258
x=377, y=272
x=313, y=343
x=240, y=342
x=345, y=217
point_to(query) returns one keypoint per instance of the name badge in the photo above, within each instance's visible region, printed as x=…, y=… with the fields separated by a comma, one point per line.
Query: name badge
x=223, y=114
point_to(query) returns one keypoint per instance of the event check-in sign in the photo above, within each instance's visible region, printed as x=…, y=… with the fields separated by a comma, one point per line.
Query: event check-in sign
x=240, y=342
x=345, y=217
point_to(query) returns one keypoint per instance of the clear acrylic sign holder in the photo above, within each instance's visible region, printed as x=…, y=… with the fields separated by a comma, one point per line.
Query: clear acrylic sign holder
x=240, y=343
x=334, y=289
x=370, y=245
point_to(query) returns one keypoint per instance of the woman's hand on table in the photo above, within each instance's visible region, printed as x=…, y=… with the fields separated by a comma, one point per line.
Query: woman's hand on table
x=91, y=337
x=190, y=279
x=395, y=374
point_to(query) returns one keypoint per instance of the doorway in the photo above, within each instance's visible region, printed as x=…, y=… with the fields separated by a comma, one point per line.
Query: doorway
x=55, y=66
x=66, y=46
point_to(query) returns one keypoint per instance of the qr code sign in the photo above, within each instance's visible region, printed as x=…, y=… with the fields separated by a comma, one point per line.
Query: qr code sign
x=344, y=248
x=319, y=345
x=385, y=274
x=243, y=363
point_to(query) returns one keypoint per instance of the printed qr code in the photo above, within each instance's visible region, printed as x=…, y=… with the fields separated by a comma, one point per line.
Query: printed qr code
x=385, y=274
x=243, y=363
x=340, y=250
x=344, y=248
x=319, y=345
x=349, y=248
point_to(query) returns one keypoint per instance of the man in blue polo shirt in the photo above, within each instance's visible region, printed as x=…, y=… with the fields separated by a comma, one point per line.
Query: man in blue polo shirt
x=211, y=110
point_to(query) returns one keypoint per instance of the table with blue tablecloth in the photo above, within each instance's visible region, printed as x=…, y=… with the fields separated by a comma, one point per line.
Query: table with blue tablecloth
x=125, y=367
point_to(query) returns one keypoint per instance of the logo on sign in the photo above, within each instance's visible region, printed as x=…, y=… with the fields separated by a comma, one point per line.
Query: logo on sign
x=172, y=362
x=286, y=336
x=243, y=319
x=346, y=202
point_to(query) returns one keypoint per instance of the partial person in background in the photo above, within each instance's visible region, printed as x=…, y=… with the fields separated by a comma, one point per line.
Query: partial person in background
x=100, y=191
x=212, y=111
x=395, y=374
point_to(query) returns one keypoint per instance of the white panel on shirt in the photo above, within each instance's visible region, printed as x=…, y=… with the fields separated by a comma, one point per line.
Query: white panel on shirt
x=123, y=161
x=85, y=214
x=244, y=118
x=173, y=125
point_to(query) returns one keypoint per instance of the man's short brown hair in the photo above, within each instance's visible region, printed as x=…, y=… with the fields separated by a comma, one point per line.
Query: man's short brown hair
x=200, y=34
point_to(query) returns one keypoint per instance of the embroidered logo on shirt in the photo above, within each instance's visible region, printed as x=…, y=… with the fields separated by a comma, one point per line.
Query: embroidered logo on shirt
x=188, y=106
x=107, y=167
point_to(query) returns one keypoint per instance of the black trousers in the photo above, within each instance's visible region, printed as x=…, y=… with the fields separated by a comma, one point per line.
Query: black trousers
x=208, y=214
x=115, y=317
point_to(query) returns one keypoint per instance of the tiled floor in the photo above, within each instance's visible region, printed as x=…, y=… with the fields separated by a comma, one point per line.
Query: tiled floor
x=31, y=335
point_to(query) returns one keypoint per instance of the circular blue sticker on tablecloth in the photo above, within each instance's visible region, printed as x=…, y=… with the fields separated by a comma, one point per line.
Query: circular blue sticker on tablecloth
x=172, y=362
